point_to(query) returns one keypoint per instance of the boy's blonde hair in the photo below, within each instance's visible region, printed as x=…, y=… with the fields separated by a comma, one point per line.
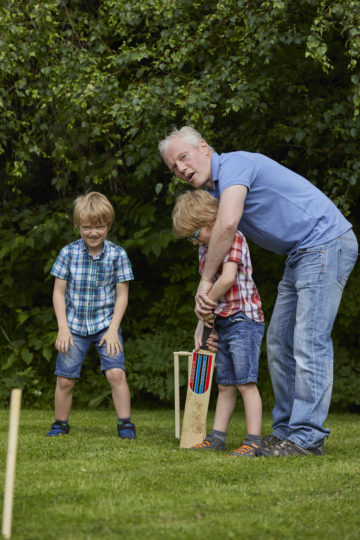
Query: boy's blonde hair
x=193, y=210
x=94, y=209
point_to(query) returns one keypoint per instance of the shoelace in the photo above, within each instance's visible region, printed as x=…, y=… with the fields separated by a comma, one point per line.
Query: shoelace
x=245, y=449
x=202, y=444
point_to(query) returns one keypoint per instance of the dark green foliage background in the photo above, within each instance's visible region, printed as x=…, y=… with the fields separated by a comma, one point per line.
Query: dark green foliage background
x=87, y=88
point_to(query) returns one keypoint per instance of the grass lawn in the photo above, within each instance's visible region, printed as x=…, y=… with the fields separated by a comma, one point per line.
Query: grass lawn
x=90, y=484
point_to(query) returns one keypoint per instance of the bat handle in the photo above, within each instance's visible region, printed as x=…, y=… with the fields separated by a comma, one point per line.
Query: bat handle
x=205, y=336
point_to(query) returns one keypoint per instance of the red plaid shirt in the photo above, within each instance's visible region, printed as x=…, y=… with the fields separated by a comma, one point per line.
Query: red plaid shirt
x=243, y=295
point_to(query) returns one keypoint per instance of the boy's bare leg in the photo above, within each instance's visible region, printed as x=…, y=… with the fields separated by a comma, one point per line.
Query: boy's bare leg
x=225, y=406
x=253, y=407
x=63, y=398
x=253, y=414
x=120, y=391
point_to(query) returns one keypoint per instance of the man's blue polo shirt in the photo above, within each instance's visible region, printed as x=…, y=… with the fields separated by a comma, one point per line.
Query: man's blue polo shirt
x=283, y=211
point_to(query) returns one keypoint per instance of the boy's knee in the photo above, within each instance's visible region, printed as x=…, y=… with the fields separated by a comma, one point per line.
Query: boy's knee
x=115, y=375
x=246, y=388
x=65, y=384
x=228, y=388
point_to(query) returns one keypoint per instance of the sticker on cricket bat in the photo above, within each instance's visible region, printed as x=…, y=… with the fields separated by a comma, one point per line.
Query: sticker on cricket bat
x=198, y=395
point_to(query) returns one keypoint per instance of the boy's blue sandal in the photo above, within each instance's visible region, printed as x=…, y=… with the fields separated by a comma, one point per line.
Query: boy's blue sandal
x=126, y=430
x=58, y=429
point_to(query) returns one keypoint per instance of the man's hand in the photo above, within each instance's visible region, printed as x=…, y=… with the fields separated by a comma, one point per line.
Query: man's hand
x=203, y=305
x=113, y=345
x=64, y=338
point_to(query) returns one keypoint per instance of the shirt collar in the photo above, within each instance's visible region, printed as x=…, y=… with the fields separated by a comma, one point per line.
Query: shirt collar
x=215, y=166
x=103, y=252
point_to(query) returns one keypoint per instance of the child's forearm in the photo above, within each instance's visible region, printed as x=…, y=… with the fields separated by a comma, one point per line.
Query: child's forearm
x=60, y=308
x=119, y=312
x=122, y=296
x=224, y=282
x=220, y=287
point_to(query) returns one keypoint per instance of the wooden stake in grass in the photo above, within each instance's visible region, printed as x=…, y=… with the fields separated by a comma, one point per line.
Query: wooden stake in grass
x=177, y=387
x=15, y=403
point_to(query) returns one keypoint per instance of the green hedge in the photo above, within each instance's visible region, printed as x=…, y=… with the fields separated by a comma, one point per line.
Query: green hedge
x=86, y=91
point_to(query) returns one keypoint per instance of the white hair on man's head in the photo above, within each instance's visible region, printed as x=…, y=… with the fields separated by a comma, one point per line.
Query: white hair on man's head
x=189, y=134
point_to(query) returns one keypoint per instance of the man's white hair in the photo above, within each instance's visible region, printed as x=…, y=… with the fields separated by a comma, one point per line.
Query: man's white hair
x=189, y=134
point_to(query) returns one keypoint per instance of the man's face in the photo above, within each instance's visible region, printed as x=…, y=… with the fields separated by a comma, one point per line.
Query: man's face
x=189, y=163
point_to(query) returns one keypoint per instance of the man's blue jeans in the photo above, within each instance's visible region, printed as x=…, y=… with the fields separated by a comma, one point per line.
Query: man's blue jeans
x=299, y=346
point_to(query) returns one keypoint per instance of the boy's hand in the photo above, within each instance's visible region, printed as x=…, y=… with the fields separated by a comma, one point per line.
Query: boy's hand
x=198, y=335
x=209, y=319
x=64, y=338
x=113, y=345
x=213, y=341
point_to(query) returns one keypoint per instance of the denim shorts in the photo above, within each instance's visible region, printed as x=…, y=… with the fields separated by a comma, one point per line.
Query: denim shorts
x=237, y=359
x=69, y=364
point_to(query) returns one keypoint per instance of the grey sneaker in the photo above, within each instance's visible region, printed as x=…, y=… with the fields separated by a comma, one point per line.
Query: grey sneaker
x=247, y=449
x=270, y=440
x=210, y=443
x=288, y=448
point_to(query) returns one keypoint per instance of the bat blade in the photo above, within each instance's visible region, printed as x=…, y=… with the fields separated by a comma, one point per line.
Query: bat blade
x=198, y=395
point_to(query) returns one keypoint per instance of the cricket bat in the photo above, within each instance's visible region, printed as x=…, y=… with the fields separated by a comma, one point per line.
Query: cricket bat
x=198, y=395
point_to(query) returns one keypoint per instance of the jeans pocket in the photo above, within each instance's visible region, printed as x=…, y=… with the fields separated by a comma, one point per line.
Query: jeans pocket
x=238, y=317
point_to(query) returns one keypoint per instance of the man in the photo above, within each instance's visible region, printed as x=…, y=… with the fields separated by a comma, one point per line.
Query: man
x=283, y=212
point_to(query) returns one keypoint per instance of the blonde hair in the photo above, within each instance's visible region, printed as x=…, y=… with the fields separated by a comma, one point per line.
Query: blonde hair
x=187, y=133
x=93, y=208
x=193, y=210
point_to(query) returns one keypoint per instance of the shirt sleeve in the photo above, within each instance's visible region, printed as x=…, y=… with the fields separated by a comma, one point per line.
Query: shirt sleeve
x=123, y=271
x=235, y=253
x=202, y=258
x=61, y=267
x=235, y=170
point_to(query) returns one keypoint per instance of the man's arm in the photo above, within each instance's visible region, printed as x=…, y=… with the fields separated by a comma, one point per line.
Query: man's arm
x=111, y=337
x=64, y=337
x=229, y=214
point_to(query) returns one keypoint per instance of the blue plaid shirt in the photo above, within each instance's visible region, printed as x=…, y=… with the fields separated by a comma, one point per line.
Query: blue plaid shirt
x=91, y=284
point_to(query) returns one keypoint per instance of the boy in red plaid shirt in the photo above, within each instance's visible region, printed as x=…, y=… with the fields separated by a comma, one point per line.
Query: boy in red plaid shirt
x=238, y=320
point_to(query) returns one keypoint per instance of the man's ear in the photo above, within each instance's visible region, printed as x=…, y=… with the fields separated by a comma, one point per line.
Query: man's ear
x=204, y=147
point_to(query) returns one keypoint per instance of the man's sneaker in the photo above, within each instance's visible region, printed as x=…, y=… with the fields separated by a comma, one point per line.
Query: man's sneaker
x=245, y=450
x=58, y=429
x=270, y=440
x=288, y=448
x=210, y=443
x=126, y=430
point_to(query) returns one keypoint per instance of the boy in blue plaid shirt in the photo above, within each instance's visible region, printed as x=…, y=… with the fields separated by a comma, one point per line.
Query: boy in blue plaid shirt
x=90, y=298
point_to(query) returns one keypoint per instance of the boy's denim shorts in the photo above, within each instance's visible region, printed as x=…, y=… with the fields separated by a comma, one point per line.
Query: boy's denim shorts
x=237, y=359
x=69, y=364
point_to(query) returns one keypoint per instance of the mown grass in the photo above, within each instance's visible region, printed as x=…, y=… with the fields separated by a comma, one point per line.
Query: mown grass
x=91, y=485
